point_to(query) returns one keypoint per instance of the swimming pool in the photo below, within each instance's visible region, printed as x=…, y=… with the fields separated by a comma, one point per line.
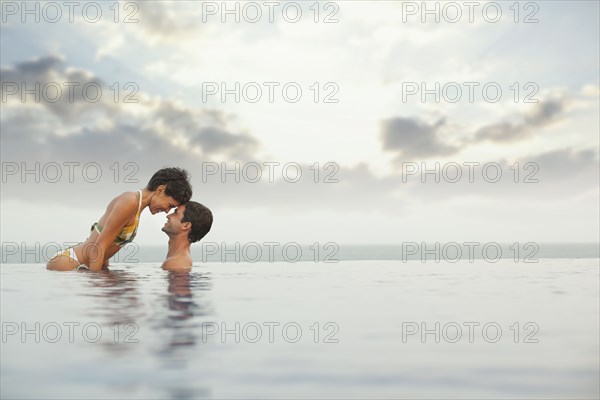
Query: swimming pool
x=353, y=329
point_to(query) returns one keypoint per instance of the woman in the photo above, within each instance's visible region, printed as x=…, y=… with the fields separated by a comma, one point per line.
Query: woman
x=168, y=188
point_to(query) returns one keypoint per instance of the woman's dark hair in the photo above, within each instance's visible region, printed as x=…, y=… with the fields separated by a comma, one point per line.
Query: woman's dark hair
x=201, y=219
x=176, y=181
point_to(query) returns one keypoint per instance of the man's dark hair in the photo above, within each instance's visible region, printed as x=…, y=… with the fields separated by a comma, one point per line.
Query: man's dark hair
x=176, y=181
x=201, y=219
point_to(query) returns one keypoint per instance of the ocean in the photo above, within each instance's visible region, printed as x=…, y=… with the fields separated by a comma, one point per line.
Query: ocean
x=351, y=329
x=329, y=252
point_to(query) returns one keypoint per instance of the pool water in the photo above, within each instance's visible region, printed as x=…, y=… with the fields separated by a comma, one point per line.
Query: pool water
x=353, y=329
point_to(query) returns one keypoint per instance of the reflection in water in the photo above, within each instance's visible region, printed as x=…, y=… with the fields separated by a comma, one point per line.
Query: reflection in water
x=119, y=308
x=163, y=314
x=181, y=326
x=119, y=296
x=185, y=307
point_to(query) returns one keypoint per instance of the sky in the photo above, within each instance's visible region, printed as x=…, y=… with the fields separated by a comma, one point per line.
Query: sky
x=341, y=106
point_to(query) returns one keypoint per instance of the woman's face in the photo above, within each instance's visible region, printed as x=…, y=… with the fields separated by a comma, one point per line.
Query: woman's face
x=161, y=202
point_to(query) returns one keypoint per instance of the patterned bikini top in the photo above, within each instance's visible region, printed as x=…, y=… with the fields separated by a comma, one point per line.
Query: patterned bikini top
x=127, y=233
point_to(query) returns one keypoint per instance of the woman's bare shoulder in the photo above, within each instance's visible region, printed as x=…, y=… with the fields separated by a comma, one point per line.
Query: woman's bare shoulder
x=125, y=200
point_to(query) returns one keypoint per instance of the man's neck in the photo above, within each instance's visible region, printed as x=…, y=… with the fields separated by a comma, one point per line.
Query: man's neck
x=178, y=247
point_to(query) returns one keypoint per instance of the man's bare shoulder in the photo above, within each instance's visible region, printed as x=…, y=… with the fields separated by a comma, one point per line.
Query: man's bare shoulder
x=177, y=264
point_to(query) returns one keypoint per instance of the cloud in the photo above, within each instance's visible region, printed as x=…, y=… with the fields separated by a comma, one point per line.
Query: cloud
x=541, y=115
x=167, y=21
x=215, y=140
x=145, y=136
x=159, y=132
x=412, y=137
x=71, y=94
x=547, y=177
x=31, y=69
x=80, y=125
x=342, y=189
x=207, y=130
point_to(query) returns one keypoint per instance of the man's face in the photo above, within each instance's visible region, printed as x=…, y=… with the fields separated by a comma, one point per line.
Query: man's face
x=173, y=224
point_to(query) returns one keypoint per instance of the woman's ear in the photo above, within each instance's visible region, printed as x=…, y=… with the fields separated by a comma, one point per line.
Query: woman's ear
x=160, y=189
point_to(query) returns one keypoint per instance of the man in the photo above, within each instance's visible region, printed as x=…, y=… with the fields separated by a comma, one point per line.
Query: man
x=189, y=223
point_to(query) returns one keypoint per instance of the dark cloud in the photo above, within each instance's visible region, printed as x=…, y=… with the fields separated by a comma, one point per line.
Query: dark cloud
x=67, y=93
x=415, y=138
x=216, y=140
x=542, y=114
x=75, y=126
x=208, y=130
x=411, y=138
x=145, y=137
x=185, y=119
x=500, y=132
x=32, y=69
x=546, y=112
x=558, y=174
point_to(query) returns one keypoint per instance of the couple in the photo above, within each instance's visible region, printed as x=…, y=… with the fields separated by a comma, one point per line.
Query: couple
x=168, y=188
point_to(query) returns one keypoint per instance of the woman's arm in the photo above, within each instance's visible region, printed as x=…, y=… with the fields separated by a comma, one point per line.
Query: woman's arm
x=120, y=214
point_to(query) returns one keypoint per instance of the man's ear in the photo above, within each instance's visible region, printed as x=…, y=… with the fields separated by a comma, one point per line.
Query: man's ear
x=186, y=226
